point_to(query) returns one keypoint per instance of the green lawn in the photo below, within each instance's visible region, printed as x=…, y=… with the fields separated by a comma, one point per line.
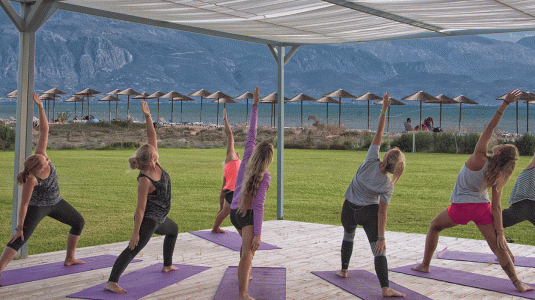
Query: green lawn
x=100, y=186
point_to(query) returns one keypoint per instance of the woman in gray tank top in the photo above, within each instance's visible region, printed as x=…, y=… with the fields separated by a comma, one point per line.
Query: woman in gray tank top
x=470, y=200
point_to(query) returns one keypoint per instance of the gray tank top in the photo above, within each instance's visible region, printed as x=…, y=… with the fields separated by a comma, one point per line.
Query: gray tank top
x=470, y=186
x=159, y=201
x=46, y=192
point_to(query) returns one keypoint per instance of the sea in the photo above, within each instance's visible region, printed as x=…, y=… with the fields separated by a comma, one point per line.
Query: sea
x=354, y=114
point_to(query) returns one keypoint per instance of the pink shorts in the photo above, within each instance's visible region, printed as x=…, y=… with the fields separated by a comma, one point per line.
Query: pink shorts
x=462, y=213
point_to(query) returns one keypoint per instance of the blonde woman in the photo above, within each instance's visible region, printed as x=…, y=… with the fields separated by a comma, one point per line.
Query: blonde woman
x=153, y=205
x=470, y=198
x=41, y=198
x=247, y=208
x=367, y=199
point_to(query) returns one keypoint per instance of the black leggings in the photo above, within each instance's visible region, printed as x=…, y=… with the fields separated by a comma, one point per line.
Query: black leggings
x=147, y=229
x=61, y=211
x=520, y=211
x=367, y=217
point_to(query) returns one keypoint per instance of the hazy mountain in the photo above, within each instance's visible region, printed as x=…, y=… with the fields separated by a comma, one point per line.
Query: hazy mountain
x=76, y=51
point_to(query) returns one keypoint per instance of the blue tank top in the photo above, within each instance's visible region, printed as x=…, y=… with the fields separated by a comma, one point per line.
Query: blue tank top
x=159, y=201
x=46, y=192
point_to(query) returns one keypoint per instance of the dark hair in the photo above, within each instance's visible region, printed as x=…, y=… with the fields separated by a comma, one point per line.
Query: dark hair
x=408, y=119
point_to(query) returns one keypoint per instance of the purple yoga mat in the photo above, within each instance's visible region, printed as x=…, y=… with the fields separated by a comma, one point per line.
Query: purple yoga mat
x=267, y=284
x=504, y=286
x=520, y=261
x=142, y=282
x=16, y=276
x=231, y=240
x=364, y=284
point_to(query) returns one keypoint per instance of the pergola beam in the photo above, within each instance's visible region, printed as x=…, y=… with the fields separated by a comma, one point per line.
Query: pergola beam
x=12, y=14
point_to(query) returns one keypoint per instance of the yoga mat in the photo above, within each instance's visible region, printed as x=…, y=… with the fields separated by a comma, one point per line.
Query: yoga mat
x=267, y=284
x=44, y=271
x=504, y=286
x=364, y=285
x=142, y=282
x=231, y=240
x=520, y=261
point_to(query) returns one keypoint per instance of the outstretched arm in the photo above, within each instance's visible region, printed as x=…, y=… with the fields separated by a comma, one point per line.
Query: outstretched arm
x=142, y=192
x=151, y=133
x=380, y=246
x=381, y=127
x=231, y=154
x=43, y=127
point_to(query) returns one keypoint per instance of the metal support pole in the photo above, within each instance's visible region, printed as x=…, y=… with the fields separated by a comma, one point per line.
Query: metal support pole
x=280, y=132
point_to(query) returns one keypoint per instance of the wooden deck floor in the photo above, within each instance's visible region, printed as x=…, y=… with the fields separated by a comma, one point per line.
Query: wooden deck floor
x=305, y=247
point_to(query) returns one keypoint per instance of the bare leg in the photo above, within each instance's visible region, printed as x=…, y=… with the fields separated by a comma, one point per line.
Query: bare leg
x=72, y=241
x=7, y=257
x=114, y=287
x=221, y=215
x=246, y=262
x=439, y=223
x=503, y=256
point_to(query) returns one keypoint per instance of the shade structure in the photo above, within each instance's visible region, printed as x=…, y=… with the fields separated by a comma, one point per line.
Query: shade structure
x=462, y=99
x=368, y=97
x=419, y=96
x=526, y=97
x=129, y=92
x=218, y=95
x=200, y=93
x=157, y=95
x=180, y=98
x=224, y=101
x=75, y=99
x=55, y=92
x=341, y=94
x=442, y=99
x=110, y=98
x=392, y=102
x=327, y=100
x=301, y=97
x=246, y=95
x=47, y=98
x=272, y=99
x=87, y=93
x=171, y=95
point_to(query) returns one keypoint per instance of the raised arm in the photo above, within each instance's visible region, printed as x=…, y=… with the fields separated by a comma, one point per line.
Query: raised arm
x=151, y=133
x=43, y=127
x=381, y=127
x=142, y=192
x=251, y=135
x=231, y=154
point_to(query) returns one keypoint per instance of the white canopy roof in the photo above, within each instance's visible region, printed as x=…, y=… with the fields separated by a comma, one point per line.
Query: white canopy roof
x=302, y=22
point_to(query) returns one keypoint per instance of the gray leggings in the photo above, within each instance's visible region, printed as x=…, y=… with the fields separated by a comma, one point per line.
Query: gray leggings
x=520, y=211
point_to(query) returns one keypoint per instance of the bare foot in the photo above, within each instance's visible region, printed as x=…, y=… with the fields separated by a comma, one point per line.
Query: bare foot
x=388, y=292
x=521, y=287
x=72, y=262
x=114, y=288
x=342, y=273
x=218, y=230
x=170, y=268
x=247, y=297
x=421, y=268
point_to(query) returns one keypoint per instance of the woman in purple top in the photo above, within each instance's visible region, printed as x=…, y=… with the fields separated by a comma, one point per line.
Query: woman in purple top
x=247, y=208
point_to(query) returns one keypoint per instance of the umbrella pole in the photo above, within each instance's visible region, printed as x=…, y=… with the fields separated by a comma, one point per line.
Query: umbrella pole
x=116, y=105
x=54, y=109
x=440, y=124
x=75, y=109
x=421, y=116
x=339, y=111
x=301, y=113
x=460, y=114
x=172, y=106
x=128, y=107
x=527, y=118
x=158, y=109
x=217, y=118
x=181, y=112
x=327, y=113
x=516, y=117
x=109, y=111
x=368, y=114
x=200, y=117
x=88, y=106
x=247, y=112
x=82, y=108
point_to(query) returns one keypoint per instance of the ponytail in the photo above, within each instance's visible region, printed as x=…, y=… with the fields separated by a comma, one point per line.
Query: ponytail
x=393, y=163
x=23, y=176
x=501, y=165
x=143, y=157
x=31, y=165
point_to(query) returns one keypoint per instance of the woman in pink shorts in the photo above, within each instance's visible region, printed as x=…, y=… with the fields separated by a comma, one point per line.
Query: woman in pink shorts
x=470, y=199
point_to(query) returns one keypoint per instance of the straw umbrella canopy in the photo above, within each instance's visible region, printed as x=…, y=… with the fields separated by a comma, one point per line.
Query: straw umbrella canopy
x=392, y=102
x=327, y=100
x=462, y=99
x=524, y=96
x=200, y=93
x=247, y=96
x=110, y=98
x=342, y=94
x=218, y=95
x=180, y=98
x=87, y=93
x=272, y=99
x=301, y=97
x=367, y=97
x=171, y=95
x=129, y=92
x=419, y=96
x=55, y=93
x=158, y=95
x=75, y=99
x=114, y=93
x=442, y=99
x=47, y=97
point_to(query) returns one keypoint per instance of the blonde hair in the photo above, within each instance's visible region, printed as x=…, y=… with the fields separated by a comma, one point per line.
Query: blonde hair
x=31, y=166
x=393, y=163
x=143, y=157
x=501, y=165
x=254, y=173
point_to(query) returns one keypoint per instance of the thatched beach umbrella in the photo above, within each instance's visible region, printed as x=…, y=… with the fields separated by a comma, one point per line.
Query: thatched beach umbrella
x=247, y=96
x=392, y=102
x=272, y=99
x=115, y=93
x=47, y=97
x=524, y=96
x=342, y=94
x=171, y=95
x=462, y=99
x=200, y=93
x=87, y=93
x=442, y=99
x=327, y=100
x=180, y=98
x=157, y=95
x=419, y=96
x=301, y=97
x=110, y=98
x=218, y=95
x=367, y=97
x=55, y=93
x=129, y=92
x=75, y=99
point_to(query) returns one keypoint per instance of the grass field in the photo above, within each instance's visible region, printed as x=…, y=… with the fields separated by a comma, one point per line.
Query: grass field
x=100, y=186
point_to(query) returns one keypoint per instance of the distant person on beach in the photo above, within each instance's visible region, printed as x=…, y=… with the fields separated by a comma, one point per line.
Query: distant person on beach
x=41, y=198
x=232, y=164
x=522, y=199
x=408, y=125
x=367, y=199
x=247, y=208
x=470, y=198
x=429, y=124
x=153, y=205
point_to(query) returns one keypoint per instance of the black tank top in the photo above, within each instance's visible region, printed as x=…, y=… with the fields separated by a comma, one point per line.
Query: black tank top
x=159, y=201
x=46, y=192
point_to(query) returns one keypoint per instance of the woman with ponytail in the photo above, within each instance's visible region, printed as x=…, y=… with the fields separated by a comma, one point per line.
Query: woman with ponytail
x=470, y=198
x=247, y=208
x=367, y=199
x=153, y=205
x=41, y=198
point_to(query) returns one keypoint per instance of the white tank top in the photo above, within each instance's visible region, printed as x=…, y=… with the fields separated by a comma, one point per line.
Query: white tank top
x=470, y=186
